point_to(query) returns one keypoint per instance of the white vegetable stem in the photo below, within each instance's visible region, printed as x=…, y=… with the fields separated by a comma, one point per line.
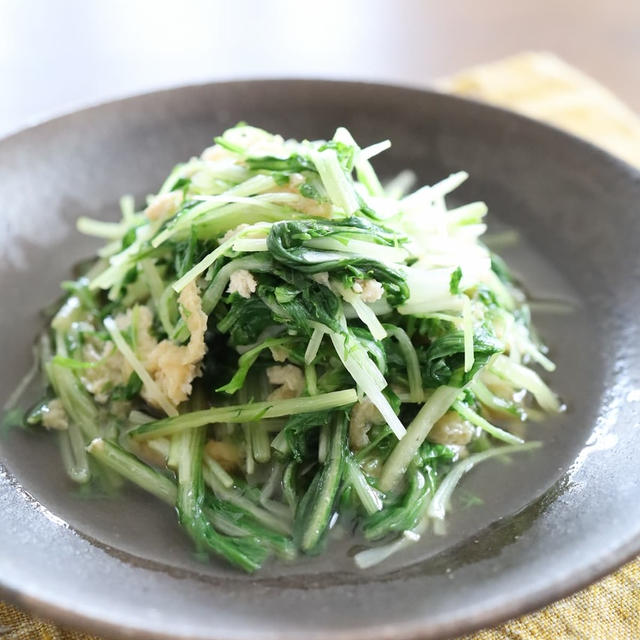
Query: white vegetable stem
x=365, y=172
x=476, y=419
x=252, y=186
x=208, y=260
x=364, y=312
x=235, y=497
x=428, y=194
x=371, y=557
x=360, y=367
x=414, y=375
x=400, y=185
x=100, y=229
x=397, y=463
x=380, y=252
x=440, y=502
x=338, y=186
x=521, y=376
x=313, y=345
x=250, y=412
x=368, y=496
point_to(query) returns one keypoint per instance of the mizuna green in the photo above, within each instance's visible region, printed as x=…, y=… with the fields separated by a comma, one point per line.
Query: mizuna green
x=277, y=343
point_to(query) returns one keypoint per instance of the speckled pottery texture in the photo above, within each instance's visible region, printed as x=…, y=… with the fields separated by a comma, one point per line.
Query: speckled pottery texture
x=549, y=523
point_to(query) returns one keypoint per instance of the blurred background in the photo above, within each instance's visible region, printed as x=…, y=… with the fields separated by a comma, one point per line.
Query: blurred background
x=56, y=55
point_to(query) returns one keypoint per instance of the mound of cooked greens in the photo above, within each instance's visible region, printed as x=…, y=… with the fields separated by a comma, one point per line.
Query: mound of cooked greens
x=277, y=342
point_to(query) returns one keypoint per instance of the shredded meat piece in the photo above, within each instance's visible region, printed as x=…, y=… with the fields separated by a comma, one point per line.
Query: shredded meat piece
x=111, y=372
x=279, y=353
x=163, y=206
x=226, y=453
x=369, y=290
x=216, y=153
x=289, y=377
x=54, y=416
x=243, y=283
x=305, y=205
x=174, y=367
x=451, y=429
x=363, y=415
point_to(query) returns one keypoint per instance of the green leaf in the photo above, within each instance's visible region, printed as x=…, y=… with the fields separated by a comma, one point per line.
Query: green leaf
x=129, y=238
x=500, y=268
x=246, y=361
x=307, y=190
x=314, y=302
x=443, y=362
x=432, y=453
x=301, y=432
x=295, y=163
x=246, y=319
x=285, y=294
x=403, y=515
x=80, y=289
x=286, y=245
x=280, y=178
x=345, y=153
x=454, y=284
x=181, y=184
x=128, y=391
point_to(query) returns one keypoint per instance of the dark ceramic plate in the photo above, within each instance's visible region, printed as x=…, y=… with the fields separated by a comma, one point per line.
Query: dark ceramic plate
x=548, y=524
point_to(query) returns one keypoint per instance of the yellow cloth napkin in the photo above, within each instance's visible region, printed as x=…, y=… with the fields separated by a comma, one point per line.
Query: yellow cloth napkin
x=541, y=86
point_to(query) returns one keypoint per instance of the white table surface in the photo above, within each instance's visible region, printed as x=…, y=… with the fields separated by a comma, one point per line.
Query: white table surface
x=57, y=55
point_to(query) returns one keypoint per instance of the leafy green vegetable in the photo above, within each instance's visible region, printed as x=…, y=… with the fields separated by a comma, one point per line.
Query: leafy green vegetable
x=246, y=319
x=443, y=362
x=314, y=302
x=247, y=359
x=185, y=254
x=231, y=518
x=353, y=323
x=297, y=430
x=286, y=244
x=454, y=285
x=315, y=508
x=295, y=163
x=130, y=390
x=309, y=191
x=405, y=514
x=500, y=268
x=80, y=289
x=246, y=553
x=345, y=153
